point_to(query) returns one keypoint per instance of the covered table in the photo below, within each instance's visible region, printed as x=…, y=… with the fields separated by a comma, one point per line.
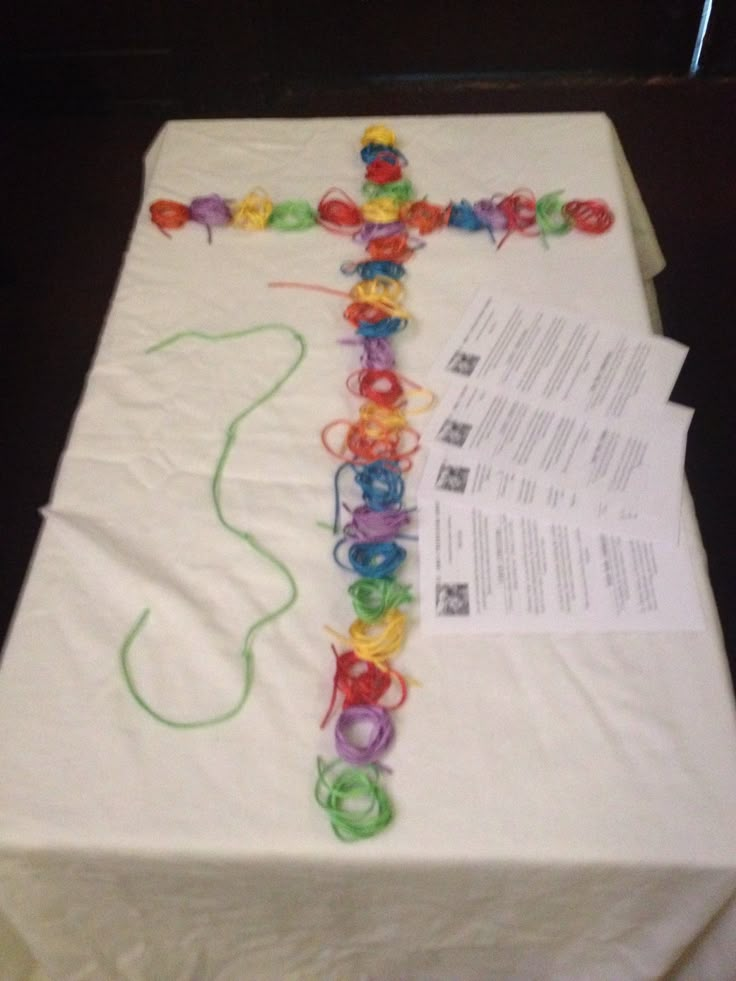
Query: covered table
x=563, y=804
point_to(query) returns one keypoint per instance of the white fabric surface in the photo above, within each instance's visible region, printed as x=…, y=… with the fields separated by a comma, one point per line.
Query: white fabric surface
x=564, y=804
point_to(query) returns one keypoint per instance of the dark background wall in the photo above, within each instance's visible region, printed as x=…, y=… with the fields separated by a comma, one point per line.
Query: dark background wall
x=189, y=57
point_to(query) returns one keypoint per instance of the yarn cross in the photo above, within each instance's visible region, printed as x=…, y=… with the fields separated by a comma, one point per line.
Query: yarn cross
x=379, y=446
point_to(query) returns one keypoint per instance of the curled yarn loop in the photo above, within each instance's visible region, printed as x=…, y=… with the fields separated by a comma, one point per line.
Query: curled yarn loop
x=381, y=732
x=520, y=211
x=375, y=560
x=551, y=219
x=382, y=328
x=292, y=216
x=364, y=313
x=357, y=805
x=391, y=248
x=381, y=210
x=379, y=420
x=378, y=434
x=373, y=268
x=399, y=191
x=372, y=598
x=381, y=386
x=463, y=216
x=367, y=525
x=379, y=134
x=377, y=353
x=423, y=216
x=210, y=211
x=362, y=683
x=337, y=212
x=168, y=214
x=370, y=319
x=381, y=483
x=359, y=682
x=253, y=212
x=490, y=213
x=384, y=168
x=380, y=640
x=593, y=217
x=371, y=151
x=376, y=437
x=377, y=229
x=372, y=438
x=381, y=291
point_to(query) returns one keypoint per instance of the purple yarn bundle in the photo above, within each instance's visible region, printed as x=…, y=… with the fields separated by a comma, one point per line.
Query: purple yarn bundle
x=381, y=733
x=378, y=353
x=372, y=229
x=368, y=525
x=209, y=211
x=489, y=212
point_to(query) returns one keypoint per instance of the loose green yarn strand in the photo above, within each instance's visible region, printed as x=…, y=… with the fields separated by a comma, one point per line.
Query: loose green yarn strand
x=231, y=435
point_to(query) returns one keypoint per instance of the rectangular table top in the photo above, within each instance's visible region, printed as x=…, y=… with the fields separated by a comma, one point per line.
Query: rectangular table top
x=551, y=789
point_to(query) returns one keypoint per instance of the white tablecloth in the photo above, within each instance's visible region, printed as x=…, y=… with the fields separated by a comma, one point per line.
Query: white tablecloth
x=564, y=804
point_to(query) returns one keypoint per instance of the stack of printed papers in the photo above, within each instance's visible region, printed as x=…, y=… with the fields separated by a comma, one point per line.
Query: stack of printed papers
x=550, y=498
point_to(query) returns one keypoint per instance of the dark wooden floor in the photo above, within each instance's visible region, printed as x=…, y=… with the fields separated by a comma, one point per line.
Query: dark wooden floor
x=71, y=187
